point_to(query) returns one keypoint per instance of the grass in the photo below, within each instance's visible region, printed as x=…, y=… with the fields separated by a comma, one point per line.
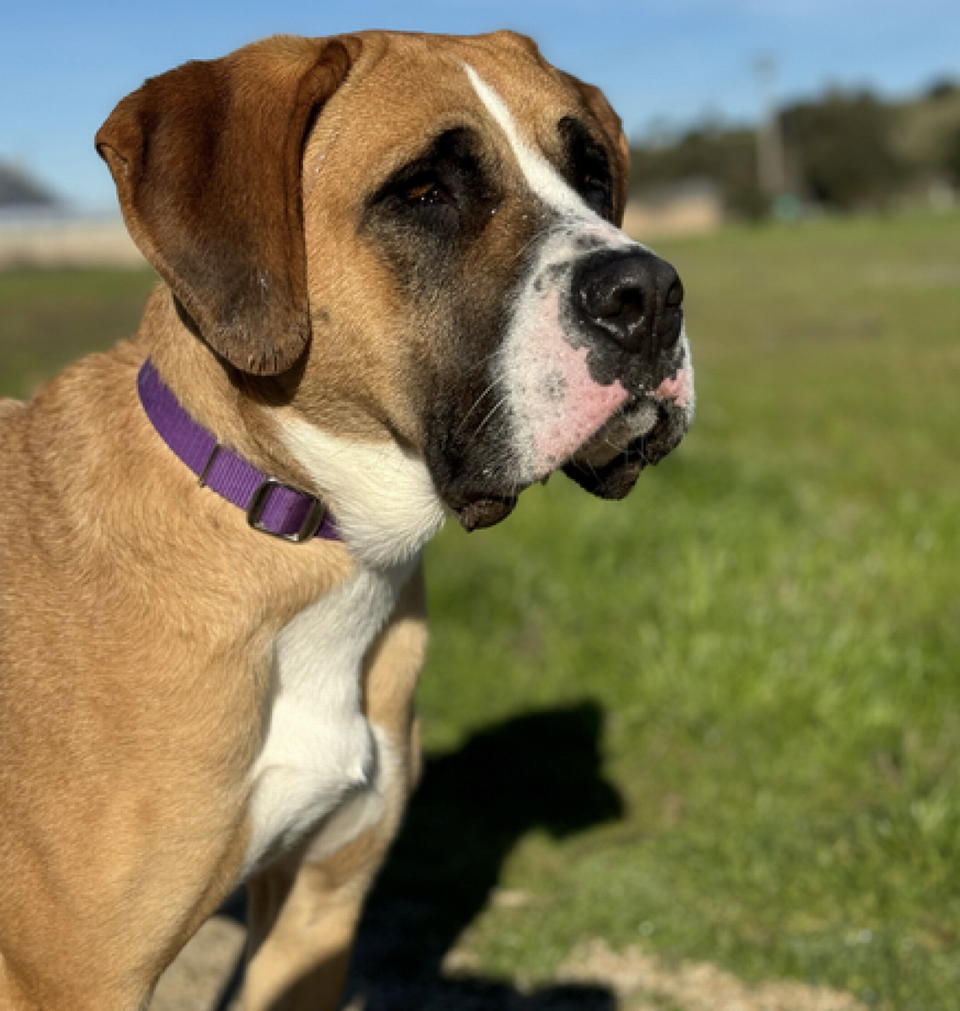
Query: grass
x=767, y=632
x=771, y=624
x=50, y=318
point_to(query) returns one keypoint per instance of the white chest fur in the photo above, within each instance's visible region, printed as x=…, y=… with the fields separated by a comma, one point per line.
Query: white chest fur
x=321, y=768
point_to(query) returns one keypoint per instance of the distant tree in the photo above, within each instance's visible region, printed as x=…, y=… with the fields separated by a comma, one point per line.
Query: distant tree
x=728, y=157
x=951, y=160
x=944, y=88
x=841, y=150
x=17, y=189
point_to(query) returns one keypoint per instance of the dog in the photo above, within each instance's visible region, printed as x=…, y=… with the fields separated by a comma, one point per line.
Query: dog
x=392, y=289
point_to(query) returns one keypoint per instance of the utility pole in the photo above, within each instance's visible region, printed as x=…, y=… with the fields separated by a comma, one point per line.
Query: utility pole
x=771, y=171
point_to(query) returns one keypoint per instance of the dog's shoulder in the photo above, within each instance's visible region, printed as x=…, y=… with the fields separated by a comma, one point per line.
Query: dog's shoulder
x=12, y=413
x=9, y=407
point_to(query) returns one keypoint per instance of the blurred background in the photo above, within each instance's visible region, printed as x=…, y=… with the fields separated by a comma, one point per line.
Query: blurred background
x=698, y=749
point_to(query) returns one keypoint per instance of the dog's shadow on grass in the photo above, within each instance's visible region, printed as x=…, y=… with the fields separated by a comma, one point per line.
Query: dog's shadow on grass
x=540, y=770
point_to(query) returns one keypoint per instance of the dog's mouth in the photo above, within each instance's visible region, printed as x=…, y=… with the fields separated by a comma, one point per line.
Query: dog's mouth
x=611, y=473
x=642, y=432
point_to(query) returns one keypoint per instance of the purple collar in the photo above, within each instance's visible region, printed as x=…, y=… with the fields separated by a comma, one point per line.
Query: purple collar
x=271, y=506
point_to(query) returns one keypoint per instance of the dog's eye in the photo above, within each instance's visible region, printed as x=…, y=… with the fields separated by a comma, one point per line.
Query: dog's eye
x=595, y=189
x=587, y=166
x=426, y=193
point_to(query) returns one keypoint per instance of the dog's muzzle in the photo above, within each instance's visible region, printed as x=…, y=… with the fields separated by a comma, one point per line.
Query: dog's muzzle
x=597, y=366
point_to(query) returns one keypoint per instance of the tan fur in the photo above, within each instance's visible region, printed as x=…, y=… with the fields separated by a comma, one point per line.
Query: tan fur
x=137, y=611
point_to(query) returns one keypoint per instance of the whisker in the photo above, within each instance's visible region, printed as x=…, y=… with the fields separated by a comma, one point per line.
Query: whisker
x=476, y=403
x=523, y=249
x=496, y=408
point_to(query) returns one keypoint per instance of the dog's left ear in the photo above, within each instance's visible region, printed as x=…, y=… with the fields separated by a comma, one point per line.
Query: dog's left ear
x=207, y=163
x=601, y=110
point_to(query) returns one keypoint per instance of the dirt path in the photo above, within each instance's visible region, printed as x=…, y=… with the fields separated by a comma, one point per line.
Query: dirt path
x=593, y=978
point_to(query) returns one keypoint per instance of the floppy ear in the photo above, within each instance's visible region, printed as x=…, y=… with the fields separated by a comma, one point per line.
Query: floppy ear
x=601, y=110
x=207, y=163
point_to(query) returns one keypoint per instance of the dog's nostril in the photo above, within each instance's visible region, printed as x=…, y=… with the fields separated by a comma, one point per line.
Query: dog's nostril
x=631, y=303
x=613, y=306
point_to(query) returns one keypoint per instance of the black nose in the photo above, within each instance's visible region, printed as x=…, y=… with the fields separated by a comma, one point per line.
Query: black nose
x=633, y=298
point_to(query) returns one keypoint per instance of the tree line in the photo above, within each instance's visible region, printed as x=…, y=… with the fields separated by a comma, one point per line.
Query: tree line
x=846, y=151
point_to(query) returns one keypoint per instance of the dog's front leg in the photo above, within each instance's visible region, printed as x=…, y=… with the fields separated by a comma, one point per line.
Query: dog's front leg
x=303, y=911
x=302, y=924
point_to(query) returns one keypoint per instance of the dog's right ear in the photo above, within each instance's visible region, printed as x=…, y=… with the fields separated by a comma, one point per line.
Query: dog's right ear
x=207, y=163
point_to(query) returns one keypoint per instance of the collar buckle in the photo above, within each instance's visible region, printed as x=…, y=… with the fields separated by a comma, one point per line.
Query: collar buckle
x=261, y=499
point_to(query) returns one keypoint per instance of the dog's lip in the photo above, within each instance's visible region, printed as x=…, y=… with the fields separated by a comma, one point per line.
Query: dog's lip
x=667, y=395
x=478, y=507
x=634, y=403
x=624, y=433
x=469, y=503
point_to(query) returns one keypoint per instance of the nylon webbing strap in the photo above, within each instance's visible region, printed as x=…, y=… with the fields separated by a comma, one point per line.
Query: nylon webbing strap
x=271, y=506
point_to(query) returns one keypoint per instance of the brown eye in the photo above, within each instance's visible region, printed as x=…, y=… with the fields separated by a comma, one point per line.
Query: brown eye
x=425, y=194
x=594, y=188
x=592, y=181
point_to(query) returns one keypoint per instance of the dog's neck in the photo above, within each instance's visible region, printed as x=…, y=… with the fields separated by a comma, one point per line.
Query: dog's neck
x=214, y=394
x=381, y=495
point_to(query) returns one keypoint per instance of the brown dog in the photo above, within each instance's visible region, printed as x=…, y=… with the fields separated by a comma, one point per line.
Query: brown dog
x=392, y=279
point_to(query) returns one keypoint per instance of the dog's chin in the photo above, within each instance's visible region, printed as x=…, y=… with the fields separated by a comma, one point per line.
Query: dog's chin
x=646, y=433
x=607, y=465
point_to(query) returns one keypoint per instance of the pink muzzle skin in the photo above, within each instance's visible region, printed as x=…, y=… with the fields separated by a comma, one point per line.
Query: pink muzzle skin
x=566, y=420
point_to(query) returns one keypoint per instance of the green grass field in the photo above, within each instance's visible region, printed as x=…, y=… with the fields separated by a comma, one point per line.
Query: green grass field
x=763, y=641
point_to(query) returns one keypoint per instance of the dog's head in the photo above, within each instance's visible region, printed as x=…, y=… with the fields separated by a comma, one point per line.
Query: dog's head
x=418, y=238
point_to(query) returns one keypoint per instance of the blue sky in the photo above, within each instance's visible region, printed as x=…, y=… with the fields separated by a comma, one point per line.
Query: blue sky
x=65, y=64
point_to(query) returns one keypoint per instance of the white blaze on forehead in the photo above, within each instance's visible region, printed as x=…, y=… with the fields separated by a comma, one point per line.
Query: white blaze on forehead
x=541, y=176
